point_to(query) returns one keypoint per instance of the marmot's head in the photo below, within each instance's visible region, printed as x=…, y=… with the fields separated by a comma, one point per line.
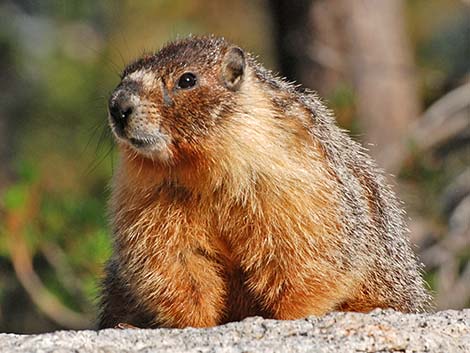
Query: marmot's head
x=166, y=103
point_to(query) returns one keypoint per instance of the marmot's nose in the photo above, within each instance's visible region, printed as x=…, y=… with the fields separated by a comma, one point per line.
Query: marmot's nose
x=120, y=109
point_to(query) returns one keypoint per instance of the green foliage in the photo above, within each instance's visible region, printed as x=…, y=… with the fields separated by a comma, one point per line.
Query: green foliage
x=16, y=195
x=72, y=225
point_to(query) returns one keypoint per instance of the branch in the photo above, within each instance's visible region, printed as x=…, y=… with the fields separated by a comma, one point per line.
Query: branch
x=446, y=118
x=28, y=278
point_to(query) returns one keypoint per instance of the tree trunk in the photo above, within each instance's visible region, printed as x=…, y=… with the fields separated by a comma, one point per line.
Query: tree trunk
x=309, y=42
x=383, y=74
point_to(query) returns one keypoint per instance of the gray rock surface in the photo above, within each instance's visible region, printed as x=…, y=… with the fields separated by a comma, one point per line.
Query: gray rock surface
x=379, y=331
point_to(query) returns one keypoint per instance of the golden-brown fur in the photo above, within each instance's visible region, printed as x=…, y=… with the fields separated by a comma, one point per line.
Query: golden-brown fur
x=257, y=204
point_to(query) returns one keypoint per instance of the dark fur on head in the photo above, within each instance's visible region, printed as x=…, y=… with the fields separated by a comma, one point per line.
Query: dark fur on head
x=154, y=78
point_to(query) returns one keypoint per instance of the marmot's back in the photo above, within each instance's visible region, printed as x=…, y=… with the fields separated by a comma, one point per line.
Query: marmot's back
x=238, y=195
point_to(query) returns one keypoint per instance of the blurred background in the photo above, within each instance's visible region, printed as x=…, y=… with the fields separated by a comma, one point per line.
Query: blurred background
x=396, y=74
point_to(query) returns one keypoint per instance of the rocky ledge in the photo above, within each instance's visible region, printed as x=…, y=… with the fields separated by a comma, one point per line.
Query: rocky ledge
x=378, y=331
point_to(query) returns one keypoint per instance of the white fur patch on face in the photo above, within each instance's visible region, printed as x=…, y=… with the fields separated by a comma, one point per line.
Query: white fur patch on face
x=154, y=146
x=145, y=77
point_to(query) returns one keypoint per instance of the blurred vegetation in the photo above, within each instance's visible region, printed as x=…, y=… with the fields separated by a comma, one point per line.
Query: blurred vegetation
x=59, y=60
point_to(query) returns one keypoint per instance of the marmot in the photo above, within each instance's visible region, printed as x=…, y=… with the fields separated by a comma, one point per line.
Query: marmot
x=237, y=195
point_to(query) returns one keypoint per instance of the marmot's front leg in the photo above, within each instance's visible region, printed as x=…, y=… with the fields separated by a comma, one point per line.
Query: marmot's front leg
x=185, y=292
x=290, y=288
x=118, y=304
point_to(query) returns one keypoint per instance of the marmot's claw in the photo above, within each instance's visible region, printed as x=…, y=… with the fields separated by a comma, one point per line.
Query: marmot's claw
x=123, y=325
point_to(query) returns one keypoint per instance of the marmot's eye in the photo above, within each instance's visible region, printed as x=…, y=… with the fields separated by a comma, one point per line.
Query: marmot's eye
x=187, y=80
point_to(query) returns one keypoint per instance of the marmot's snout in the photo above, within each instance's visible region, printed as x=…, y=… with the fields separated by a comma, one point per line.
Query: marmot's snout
x=134, y=121
x=120, y=108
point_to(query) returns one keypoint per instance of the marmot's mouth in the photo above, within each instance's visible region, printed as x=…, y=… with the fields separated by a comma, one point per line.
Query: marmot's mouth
x=142, y=142
x=155, y=145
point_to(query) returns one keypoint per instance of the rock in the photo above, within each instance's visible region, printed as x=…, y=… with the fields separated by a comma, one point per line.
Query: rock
x=378, y=331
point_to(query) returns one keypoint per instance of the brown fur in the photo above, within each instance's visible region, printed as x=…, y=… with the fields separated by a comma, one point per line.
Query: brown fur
x=257, y=204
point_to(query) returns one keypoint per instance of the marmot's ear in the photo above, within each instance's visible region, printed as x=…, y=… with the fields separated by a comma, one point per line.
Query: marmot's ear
x=233, y=68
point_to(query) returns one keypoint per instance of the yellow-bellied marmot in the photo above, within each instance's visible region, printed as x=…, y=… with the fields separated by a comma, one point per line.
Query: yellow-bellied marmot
x=237, y=195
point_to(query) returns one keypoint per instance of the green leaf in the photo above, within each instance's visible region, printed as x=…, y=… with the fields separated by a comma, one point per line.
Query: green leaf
x=15, y=196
